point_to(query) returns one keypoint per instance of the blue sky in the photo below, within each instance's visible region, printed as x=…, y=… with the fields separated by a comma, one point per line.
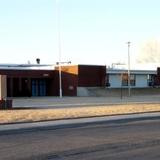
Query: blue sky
x=92, y=31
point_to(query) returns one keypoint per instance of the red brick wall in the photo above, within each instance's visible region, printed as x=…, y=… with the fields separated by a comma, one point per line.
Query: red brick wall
x=28, y=73
x=69, y=80
x=158, y=71
x=157, y=78
x=82, y=76
x=91, y=76
x=14, y=80
x=72, y=77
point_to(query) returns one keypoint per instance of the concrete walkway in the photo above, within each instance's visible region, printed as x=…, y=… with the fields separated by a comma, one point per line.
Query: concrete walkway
x=56, y=102
x=74, y=122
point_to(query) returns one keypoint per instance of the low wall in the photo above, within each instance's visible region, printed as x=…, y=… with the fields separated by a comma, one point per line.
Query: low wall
x=114, y=92
x=82, y=92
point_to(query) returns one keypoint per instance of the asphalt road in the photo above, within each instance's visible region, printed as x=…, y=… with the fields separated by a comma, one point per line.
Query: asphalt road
x=121, y=140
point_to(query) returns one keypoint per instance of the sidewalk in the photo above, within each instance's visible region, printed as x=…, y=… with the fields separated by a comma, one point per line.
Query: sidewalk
x=65, y=102
x=73, y=122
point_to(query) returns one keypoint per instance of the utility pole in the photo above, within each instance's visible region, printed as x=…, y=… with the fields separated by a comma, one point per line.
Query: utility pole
x=129, y=83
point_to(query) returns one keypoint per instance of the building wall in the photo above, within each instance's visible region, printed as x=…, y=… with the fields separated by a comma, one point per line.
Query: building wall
x=28, y=73
x=69, y=80
x=157, y=78
x=3, y=87
x=19, y=81
x=91, y=76
x=80, y=76
x=141, y=81
x=28, y=82
x=158, y=71
x=115, y=80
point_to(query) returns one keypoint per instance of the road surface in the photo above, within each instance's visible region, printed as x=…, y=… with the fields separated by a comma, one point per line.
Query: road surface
x=121, y=140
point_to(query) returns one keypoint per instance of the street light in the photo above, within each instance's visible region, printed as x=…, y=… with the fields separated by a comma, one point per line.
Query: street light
x=60, y=75
x=59, y=48
x=129, y=83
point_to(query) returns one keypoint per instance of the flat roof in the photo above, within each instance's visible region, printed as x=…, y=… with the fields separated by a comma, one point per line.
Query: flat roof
x=26, y=67
x=120, y=71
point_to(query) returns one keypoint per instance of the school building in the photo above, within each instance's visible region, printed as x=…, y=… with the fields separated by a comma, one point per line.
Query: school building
x=43, y=80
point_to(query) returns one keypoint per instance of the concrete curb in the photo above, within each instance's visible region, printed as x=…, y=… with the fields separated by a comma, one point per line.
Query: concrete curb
x=7, y=128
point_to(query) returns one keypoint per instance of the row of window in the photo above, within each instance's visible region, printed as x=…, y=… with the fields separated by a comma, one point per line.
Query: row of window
x=124, y=80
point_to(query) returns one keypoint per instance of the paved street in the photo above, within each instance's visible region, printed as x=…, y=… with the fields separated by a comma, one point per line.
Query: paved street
x=125, y=139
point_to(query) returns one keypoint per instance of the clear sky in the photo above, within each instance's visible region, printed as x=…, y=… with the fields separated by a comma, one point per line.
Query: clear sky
x=92, y=31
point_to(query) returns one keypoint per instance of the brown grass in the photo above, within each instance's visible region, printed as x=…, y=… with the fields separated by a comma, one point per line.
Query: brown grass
x=32, y=115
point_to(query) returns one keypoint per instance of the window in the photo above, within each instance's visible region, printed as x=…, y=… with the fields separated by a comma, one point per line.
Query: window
x=150, y=80
x=133, y=80
x=38, y=87
x=125, y=79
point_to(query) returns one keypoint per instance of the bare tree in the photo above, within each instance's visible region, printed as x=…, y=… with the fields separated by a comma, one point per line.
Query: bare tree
x=149, y=52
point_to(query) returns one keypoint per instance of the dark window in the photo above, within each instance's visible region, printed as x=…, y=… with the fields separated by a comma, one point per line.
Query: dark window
x=125, y=80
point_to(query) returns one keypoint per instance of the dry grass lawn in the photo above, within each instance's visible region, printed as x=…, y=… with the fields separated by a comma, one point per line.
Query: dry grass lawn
x=32, y=115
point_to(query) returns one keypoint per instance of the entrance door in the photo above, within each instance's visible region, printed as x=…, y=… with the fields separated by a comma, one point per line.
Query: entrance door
x=16, y=91
x=25, y=87
x=38, y=87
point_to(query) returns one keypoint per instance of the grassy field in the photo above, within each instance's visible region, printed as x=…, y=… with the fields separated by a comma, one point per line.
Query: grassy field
x=33, y=115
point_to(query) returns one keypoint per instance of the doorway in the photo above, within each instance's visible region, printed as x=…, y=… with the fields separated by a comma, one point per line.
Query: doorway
x=38, y=87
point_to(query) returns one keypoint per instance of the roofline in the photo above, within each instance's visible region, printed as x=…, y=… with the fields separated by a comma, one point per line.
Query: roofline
x=115, y=71
x=26, y=67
